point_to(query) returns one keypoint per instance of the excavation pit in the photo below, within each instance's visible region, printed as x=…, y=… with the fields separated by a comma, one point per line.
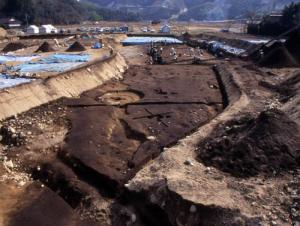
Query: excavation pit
x=122, y=97
x=120, y=126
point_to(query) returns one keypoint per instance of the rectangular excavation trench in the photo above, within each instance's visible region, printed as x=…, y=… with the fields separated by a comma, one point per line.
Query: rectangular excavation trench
x=121, y=125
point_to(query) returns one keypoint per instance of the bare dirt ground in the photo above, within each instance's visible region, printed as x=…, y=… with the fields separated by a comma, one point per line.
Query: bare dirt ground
x=175, y=144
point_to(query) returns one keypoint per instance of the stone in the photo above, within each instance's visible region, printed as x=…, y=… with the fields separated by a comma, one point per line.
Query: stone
x=133, y=218
x=274, y=223
x=207, y=170
x=152, y=138
x=9, y=164
x=193, y=209
x=189, y=162
x=11, y=129
x=238, y=221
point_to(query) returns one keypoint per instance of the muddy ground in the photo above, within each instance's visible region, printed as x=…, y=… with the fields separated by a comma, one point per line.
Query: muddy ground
x=175, y=144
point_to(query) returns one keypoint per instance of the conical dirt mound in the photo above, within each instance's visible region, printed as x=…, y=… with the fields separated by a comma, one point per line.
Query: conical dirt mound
x=293, y=44
x=278, y=57
x=251, y=146
x=76, y=47
x=13, y=46
x=186, y=36
x=45, y=47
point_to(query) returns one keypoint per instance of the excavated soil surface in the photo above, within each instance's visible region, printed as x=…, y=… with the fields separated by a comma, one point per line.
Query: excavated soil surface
x=249, y=146
x=119, y=126
x=43, y=207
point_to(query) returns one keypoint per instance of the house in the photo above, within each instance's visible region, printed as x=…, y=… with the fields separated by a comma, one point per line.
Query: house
x=32, y=29
x=165, y=29
x=124, y=28
x=48, y=29
x=274, y=17
x=10, y=23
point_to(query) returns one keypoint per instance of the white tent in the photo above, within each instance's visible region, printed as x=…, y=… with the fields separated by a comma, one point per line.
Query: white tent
x=47, y=29
x=32, y=29
x=165, y=29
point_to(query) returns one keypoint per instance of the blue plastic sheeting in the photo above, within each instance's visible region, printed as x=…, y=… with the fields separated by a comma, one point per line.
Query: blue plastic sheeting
x=257, y=41
x=9, y=58
x=148, y=40
x=97, y=45
x=7, y=81
x=54, y=63
x=216, y=46
x=63, y=58
x=44, y=67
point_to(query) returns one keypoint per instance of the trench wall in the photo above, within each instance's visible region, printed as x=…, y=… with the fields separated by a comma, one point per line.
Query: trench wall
x=230, y=90
x=71, y=83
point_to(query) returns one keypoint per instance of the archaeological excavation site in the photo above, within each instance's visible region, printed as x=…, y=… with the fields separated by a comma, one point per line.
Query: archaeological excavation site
x=190, y=129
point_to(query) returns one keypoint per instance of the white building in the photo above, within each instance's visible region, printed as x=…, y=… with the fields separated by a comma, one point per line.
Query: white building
x=165, y=29
x=32, y=29
x=48, y=29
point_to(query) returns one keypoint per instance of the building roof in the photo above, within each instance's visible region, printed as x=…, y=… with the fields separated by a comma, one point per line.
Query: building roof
x=47, y=26
x=10, y=21
x=33, y=27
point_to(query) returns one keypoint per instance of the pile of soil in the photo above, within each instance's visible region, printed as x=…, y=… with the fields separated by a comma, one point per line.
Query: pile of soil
x=250, y=146
x=293, y=44
x=76, y=47
x=13, y=46
x=45, y=47
x=186, y=36
x=278, y=57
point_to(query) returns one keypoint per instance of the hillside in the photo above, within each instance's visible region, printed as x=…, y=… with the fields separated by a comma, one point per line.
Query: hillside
x=58, y=11
x=192, y=9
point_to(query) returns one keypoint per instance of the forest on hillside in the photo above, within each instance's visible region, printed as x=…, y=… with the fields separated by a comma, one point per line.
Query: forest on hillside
x=59, y=11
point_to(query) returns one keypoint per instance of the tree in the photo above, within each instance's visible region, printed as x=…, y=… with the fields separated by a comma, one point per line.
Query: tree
x=291, y=15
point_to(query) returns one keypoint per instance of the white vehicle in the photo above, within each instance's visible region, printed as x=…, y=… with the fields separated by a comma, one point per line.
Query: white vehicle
x=144, y=29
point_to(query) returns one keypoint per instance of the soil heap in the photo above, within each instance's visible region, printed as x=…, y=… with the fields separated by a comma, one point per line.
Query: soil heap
x=293, y=45
x=76, y=47
x=278, y=56
x=250, y=146
x=186, y=36
x=45, y=47
x=13, y=46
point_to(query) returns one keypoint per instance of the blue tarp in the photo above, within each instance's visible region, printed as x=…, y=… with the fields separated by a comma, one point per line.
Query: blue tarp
x=9, y=58
x=215, y=46
x=63, y=58
x=97, y=45
x=54, y=63
x=149, y=40
x=44, y=67
x=7, y=81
